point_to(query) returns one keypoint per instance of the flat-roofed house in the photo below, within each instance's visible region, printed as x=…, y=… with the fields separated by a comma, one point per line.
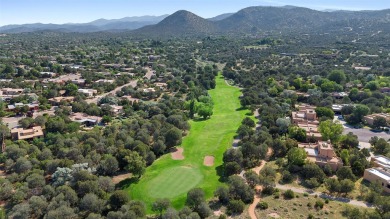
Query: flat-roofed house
x=85, y=119
x=26, y=134
x=306, y=118
x=88, y=92
x=31, y=106
x=322, y=153
x=11, y=91
x=381, y=161
x=369, y=119
x=378, y=174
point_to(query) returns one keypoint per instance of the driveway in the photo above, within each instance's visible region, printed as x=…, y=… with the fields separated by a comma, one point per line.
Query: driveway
x=12, y=122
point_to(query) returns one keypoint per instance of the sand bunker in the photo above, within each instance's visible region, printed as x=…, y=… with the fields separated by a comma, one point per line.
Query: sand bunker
x=178, y=154
x=208, y=161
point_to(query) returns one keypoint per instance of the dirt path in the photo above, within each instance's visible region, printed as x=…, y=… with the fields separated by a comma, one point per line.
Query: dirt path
x=256, y=198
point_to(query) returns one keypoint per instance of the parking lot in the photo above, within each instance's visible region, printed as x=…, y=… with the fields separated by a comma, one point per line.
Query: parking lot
x=364, y=134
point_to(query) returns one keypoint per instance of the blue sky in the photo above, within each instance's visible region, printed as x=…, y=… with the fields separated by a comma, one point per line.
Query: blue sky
x=81, y=11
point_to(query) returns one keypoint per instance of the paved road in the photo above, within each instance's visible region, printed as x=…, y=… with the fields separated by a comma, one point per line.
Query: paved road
x=113, y=92
x=325, y=196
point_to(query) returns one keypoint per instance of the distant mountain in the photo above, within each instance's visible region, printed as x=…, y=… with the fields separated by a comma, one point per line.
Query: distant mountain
x=151, y=19
x=220, y=17
x=251, y=20
x=127, y=23
x=180, y=23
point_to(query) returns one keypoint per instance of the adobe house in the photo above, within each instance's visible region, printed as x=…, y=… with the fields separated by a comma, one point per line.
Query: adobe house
x=378, y=174
x=322, y=153
x=26, y=134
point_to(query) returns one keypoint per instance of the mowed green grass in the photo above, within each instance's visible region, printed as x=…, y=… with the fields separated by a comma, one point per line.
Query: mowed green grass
x=174, y=181
x=209, y=137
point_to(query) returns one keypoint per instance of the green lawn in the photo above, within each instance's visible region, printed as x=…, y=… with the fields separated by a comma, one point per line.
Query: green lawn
x=174, y=178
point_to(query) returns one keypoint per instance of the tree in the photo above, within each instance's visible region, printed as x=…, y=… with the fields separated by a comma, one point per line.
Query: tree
x=223, y=194
x=203, y=210
x=71, y=89
x=330, y=130
x=238, y=189
x=297, y=133
x=61, y=212
x=235, y=207
x=117, y=199
x=349, y=141
x=325, y=112
x=91, y=203
x=205, y=111
x=248, y=122
x=38, y=205
x=283, y=124
x=344, y=155
x=346, y=186
x=135, y=163
x=379, y=122
x=35, y=181
x=345, y=173
x=337, y=76
x=333, y=185
x=358, y=113
x=160, y=205
x=26, y=122
x=296, y=156
x=195, y=197
x=173, y=137
x=108, y=166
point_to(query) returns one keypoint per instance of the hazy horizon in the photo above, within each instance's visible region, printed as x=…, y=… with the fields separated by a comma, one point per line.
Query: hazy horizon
x=84, y=11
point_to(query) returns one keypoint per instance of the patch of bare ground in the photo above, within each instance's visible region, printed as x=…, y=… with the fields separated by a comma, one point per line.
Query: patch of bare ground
x=177, y=154
x=119, y=178
x=274, y=215
x=208, y=161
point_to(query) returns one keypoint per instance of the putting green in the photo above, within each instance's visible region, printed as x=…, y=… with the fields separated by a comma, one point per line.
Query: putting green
x=212, y=137
x=173, y=182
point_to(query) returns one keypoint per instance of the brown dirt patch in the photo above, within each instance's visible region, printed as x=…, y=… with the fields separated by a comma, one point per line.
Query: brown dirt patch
x=274, y=215
x=177, y=154
x=208, y=161
x=119, y=178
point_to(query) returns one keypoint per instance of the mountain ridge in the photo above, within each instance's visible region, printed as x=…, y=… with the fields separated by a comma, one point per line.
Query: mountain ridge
x=250, y=20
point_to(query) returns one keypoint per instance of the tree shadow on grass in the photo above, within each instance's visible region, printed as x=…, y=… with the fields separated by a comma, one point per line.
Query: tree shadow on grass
x=126, y=183
x=199, y=119
x=221, y=173
x=241, y=108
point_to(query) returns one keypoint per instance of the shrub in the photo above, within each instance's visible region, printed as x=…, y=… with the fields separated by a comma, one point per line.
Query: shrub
x=289, y=194
x=235, y=206
x=326, y=201
x=268, y=190
x=319, y=204
x=262, y=205
x=305, y=194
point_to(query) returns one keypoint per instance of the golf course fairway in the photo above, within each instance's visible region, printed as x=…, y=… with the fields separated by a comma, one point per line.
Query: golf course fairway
x=172, y=179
